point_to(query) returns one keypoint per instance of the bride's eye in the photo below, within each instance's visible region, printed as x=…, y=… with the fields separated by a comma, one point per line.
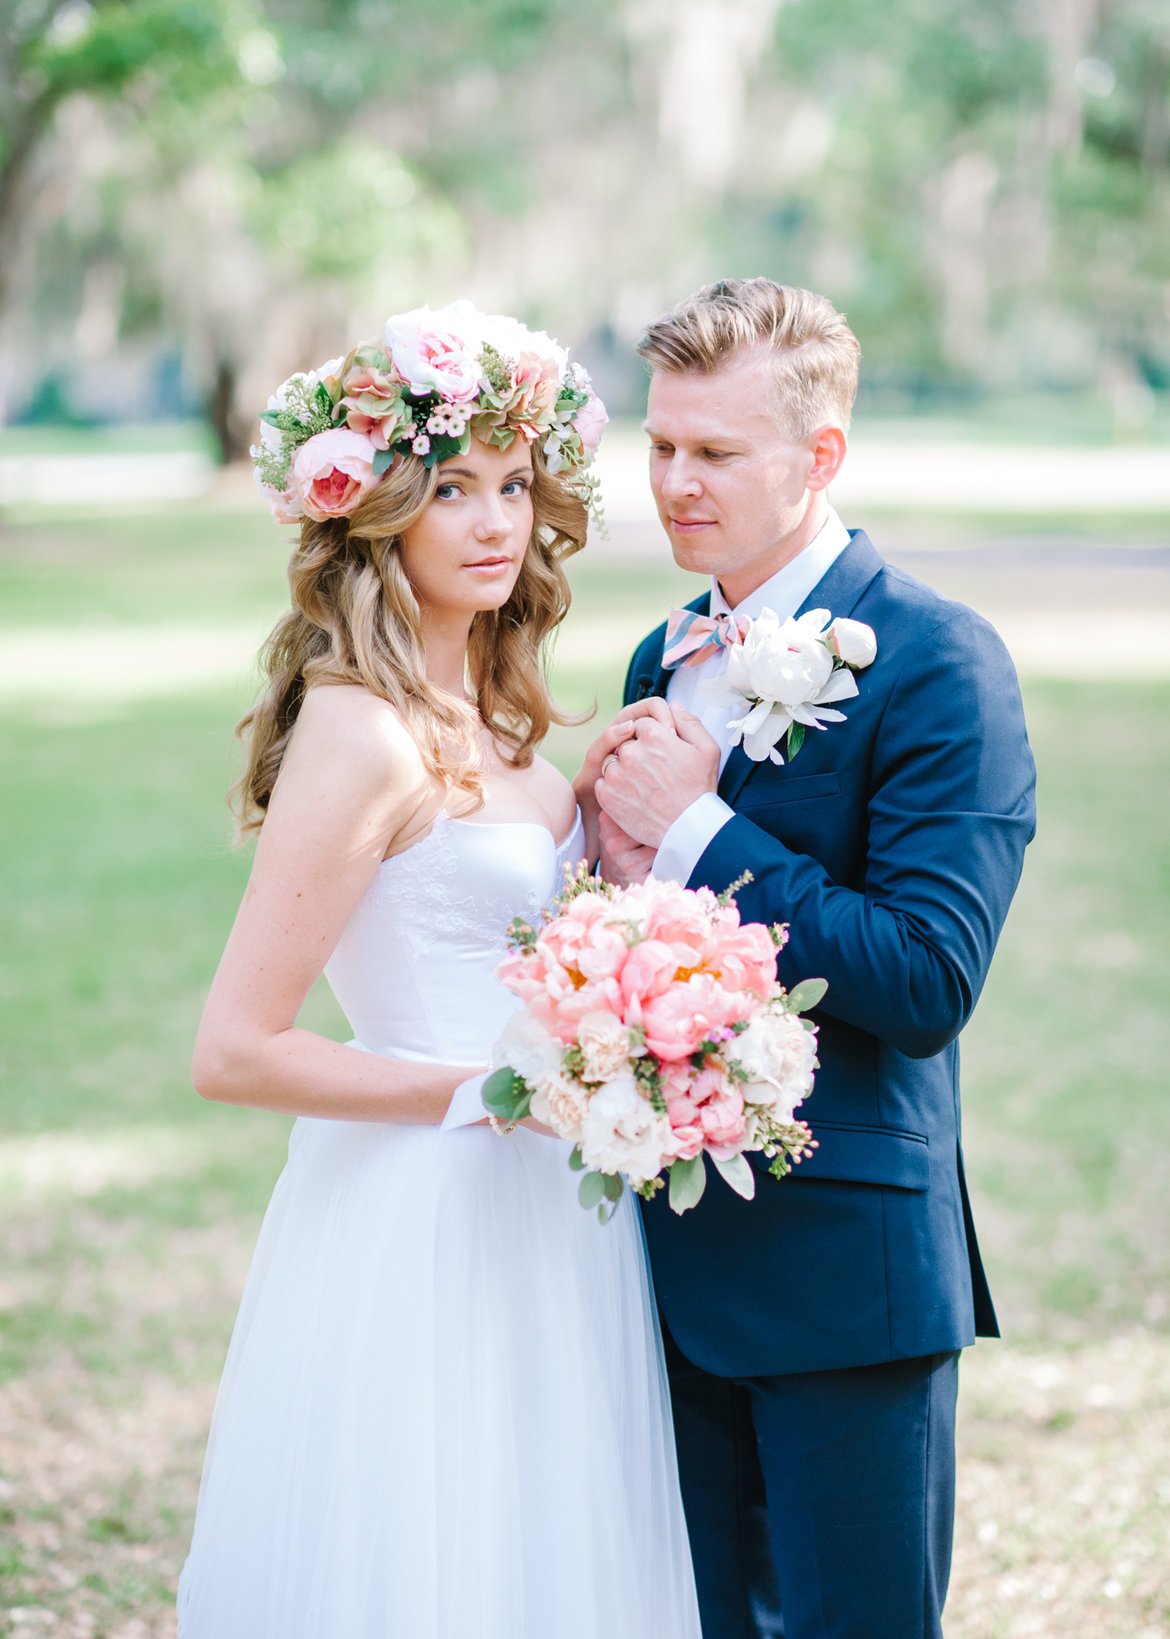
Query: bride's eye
x=516, y=486
x=446, y=492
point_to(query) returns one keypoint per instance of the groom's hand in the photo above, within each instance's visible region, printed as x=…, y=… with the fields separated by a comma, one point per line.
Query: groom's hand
x=622, y=859
x=655, y=775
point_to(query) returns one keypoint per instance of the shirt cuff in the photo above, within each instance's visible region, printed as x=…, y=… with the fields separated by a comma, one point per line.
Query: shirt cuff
x=689, y=837
x=466, y=1106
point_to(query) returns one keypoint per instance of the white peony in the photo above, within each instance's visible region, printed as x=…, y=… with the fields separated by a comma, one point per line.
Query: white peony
x=528, y=1048
x=785, y=669
x=510, y=339
x=623, y=1133
x=606, y=1046
x=781, y=660
x=779, y=1055
x=853, y=642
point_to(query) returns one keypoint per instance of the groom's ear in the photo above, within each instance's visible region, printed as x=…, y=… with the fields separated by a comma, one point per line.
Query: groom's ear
x=827, y=446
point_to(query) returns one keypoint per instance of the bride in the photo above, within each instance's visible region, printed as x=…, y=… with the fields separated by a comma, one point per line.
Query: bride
x=443, y=1413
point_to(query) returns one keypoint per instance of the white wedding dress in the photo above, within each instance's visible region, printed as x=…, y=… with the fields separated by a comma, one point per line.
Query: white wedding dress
x=444, y=1411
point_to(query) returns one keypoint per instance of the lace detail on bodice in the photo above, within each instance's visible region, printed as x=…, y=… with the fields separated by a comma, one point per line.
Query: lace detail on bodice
x=417, y=891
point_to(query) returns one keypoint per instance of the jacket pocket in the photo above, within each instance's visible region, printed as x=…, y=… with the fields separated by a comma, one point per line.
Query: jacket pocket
x=781, y=789
x=867, y=1155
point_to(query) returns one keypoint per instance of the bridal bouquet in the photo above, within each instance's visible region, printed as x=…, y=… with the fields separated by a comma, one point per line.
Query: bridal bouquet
x=654, y=1034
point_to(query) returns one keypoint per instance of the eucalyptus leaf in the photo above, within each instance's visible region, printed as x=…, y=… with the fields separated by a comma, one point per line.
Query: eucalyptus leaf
x=382, y=462
x=739, y=1175
x=503, y=1093
x=807, y=994
x=591, y=1189
x=577, y=1160
x=688, y=1180
x=613, y=1186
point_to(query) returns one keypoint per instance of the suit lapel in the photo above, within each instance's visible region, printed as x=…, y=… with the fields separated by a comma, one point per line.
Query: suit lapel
x=838, y=590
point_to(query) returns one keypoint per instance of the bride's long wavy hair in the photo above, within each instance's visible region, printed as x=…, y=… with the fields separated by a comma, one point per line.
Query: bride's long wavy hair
x=355, y=619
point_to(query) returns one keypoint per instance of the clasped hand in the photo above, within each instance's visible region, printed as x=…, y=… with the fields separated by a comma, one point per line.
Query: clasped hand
x=643, y=771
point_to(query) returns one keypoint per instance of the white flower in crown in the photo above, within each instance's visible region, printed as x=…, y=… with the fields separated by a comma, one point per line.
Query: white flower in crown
x=790, y=673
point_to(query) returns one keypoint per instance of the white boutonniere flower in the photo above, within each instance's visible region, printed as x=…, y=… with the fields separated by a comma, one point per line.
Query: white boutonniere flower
x=790, y=672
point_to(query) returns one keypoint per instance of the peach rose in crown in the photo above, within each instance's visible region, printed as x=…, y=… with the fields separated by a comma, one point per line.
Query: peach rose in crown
x=332, y=471
x=533, y=397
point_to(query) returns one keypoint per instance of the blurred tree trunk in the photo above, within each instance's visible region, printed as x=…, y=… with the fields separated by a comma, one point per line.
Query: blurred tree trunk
x=231, y=440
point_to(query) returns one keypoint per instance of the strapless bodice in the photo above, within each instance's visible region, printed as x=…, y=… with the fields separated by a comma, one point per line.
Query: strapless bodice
x=414, y=969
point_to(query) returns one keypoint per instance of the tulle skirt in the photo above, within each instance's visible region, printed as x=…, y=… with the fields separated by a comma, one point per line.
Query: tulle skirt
x=444, y=1412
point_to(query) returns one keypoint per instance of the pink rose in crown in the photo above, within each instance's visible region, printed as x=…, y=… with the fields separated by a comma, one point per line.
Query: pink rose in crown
x=591, y=421
x=332, y=471
x=437, y=352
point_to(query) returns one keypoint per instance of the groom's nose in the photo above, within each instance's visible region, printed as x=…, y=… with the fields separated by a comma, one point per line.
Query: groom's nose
x=679, y=480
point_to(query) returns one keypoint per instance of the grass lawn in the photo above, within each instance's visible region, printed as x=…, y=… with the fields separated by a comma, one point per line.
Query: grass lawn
x=130, y=1207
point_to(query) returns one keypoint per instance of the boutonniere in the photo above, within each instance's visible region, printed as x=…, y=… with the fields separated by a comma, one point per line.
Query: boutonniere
x=789, y=672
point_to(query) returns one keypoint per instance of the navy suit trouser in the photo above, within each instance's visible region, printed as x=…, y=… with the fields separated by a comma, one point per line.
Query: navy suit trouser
x=825, y=1496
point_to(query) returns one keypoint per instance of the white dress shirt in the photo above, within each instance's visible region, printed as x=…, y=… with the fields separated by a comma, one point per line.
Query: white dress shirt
x=696, y=827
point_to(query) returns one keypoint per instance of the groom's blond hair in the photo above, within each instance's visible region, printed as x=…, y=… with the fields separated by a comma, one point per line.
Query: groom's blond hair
x=815, y=354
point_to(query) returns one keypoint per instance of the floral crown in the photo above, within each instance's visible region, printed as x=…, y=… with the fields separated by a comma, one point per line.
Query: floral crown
x=436, y=379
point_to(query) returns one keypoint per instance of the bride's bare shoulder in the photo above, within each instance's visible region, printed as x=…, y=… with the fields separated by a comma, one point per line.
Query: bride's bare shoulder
x=352, y=737
x=354, y=719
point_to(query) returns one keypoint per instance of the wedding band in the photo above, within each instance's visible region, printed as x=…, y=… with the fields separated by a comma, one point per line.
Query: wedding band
x=612, y=758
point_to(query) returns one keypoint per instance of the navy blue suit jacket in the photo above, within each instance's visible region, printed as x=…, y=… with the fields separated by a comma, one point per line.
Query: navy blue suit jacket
x=892, y=845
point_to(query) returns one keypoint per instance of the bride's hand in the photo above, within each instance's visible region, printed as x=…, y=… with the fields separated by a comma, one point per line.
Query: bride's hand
x=615, y=735
x=622, y=859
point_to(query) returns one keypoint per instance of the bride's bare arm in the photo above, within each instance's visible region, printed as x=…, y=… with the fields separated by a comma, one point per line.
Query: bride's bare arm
x=350, y=781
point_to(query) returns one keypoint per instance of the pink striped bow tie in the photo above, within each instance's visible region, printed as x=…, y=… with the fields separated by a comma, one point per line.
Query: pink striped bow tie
x=691, y=637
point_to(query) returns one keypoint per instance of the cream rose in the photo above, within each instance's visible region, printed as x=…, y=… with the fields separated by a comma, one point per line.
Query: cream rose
x=606, y=1046
x=560, y=1104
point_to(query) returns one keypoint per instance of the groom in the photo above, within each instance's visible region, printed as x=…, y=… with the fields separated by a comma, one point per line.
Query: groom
x=813, y=1334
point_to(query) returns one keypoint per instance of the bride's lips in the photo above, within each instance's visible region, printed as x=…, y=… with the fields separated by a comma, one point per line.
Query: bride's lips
x=489, y=566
